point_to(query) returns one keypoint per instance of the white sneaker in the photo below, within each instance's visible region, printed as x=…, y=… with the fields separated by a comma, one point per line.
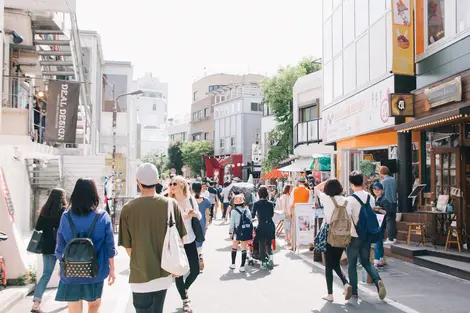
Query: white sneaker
x=328, y=298
x=242, y=269
x=389, y=242
x=232, y=267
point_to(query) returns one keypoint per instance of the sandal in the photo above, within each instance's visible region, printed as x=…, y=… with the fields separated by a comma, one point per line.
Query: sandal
x=36, y=309
x=186, y=307
x=201, y=263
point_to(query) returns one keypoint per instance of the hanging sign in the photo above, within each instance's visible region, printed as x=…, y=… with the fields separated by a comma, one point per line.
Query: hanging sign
x=403, y=37
x=444, y=93
x=402, y=104
x=62, y=111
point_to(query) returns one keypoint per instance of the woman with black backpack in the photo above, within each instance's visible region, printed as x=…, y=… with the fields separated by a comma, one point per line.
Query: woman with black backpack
x=85, y=233
x=266, y=230
x=48, y=223
x=241, y=229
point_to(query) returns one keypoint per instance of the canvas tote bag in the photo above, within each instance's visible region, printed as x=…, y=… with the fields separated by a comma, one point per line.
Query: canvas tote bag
x=174, y=259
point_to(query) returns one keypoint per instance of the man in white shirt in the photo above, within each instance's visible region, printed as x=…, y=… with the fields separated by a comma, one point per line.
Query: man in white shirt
x=360, y=248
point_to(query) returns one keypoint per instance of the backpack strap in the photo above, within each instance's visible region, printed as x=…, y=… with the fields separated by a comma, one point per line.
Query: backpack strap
x=72, y=228
x=336, y=203
x=359, y=199
x=239, y=212
x=92, y=227
x=191, y=202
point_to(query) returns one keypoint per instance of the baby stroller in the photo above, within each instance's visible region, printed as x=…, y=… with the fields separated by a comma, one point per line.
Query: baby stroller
x=254, y=251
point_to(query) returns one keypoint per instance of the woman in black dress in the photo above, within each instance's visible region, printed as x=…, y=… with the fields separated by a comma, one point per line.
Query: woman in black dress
x=266, y=230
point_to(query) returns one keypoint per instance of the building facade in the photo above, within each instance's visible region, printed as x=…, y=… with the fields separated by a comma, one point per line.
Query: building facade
x=203, y=100
x=268, y=123
x=357, y=82
x=440, y=127
x=152, y=111
x=237, y=120
x=179, y=128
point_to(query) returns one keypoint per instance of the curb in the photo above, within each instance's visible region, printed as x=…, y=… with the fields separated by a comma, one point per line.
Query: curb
x=12, y=295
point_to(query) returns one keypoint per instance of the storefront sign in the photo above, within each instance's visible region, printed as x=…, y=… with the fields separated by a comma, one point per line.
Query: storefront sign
x=62, y=111
x=365, y=112
x=304, y=230
x=66, y=6
x=403, y=37
x=402, y=104
x=444, y=93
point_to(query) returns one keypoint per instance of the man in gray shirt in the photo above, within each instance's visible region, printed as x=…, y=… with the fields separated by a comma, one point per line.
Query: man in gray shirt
x=390, y=193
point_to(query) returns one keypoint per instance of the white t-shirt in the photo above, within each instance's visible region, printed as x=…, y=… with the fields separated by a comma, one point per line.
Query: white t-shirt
x=328, y=205
x=158, y=284
x=206, y=195
x=354, y=208
x=185, y=206
x=226, y=192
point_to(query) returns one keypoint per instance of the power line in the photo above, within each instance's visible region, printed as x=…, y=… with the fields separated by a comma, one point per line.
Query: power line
x=43, y=78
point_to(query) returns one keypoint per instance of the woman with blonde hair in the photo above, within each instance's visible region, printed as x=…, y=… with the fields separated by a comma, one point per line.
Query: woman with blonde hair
x=285, y=204
x=179, y=190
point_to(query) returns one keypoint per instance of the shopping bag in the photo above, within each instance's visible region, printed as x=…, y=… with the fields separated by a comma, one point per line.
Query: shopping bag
x=174, y=259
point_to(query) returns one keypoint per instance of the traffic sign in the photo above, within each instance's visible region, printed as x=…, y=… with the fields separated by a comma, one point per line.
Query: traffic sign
x=173, y=171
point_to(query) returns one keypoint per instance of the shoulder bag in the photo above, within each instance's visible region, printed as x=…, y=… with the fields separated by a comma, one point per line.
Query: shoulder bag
x=174, y=259
x=196, y=225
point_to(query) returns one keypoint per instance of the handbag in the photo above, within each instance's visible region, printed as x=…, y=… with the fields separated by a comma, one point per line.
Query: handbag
x=174, y=259
x=196, y=225
x=321, y=239
x=36, y=241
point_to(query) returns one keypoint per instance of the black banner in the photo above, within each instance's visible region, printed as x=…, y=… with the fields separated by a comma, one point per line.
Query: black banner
x=62, y=111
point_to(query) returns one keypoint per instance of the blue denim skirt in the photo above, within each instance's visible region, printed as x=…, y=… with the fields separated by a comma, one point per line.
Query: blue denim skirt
x=77, y=292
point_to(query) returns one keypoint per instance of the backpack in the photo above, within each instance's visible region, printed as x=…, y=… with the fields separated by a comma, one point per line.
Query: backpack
x=367, y=228
x=80, y=258
x=339, y=234
x=244, y=230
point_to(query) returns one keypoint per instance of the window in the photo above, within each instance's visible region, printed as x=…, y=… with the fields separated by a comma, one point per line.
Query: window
x=327, y=41
x=349, y=68
x=194, y=96
x=151, y=94
x=463, y=17
x=194, y=116
x=362, y=16
x=196, y=137
x=206, y=136
x=256, y=107
x=215, y=87
x=154, y=106
x=232, y=141
x=206, y=112
x=309, y=113
x=362, y=60
x=221, y=143
x=436, y=20
x=378, y=49
x=348, y=22
x=199, y=114
x=266, y=110
x=328, y=84
x=337, y=31
x=338, y=76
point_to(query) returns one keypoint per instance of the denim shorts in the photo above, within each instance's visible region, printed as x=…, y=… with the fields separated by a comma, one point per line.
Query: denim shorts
x=77, y=292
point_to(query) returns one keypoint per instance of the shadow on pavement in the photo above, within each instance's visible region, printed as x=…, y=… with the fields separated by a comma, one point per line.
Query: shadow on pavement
x=226, y=249
x=250, y=274
x=62, y=309
x=353, y=305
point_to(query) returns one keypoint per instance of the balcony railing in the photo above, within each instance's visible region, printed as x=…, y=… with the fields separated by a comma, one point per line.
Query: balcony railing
x=307, y=132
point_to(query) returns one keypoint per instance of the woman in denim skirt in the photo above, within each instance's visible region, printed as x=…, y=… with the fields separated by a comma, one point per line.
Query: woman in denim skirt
x=83, y=210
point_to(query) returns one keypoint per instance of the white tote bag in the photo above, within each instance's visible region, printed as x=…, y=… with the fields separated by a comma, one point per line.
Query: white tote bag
x=174, y=259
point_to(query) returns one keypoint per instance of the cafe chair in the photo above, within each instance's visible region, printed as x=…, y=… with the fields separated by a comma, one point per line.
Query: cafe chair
x=453, y=236
x=417, y=229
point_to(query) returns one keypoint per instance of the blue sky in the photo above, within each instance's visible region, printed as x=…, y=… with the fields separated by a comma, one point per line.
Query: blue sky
x=177, y=39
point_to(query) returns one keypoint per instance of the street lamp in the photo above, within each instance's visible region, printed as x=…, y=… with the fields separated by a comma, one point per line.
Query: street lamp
x=134, y=93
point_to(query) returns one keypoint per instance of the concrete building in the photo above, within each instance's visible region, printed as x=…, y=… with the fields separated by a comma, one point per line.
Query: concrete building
x=268, y=123
x=238, y=111
x=41, y=44
x=152, y=112
x=308, y=124
x=202, y=117
x=179, y=128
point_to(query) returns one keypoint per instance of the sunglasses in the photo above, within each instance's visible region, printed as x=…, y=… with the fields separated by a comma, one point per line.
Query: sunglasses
x=174, y=184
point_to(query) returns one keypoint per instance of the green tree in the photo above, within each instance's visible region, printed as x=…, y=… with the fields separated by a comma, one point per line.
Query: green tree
x=194, y=152
x=159, y=160
x=175, y=157
x=277, y=92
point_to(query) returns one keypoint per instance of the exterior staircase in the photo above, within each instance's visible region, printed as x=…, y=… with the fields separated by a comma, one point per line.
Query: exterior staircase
x=61, y=58
x=6, y=195
x=44, y=174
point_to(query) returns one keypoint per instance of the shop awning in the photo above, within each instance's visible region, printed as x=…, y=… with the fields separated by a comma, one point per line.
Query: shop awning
x=299, y=165
x=447, y=117
x=275, y=174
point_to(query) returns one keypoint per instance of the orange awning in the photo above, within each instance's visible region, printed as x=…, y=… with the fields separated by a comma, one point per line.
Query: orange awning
x=275, y=174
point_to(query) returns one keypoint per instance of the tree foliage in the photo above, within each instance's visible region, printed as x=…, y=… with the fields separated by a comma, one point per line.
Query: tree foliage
x=175, y=157
x=160, y=161
x=193, y=154
x=277, y=92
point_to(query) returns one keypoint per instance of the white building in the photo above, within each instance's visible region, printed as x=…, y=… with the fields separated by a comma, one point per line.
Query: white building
x=308, y=124
x=152, y=112
x=238, y=111
x=40, y=43
x=179, y=128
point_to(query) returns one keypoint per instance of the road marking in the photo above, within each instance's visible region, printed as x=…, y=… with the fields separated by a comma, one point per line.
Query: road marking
x=363, y=289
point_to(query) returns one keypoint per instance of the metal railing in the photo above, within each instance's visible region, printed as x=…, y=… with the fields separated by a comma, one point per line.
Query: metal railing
x=307, y=132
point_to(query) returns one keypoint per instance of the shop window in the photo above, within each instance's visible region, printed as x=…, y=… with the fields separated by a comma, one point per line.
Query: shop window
x=436, y=20
x=444, y=136
x=463, y=16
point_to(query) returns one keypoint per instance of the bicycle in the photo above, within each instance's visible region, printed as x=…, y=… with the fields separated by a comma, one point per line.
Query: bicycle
x=3, y=270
